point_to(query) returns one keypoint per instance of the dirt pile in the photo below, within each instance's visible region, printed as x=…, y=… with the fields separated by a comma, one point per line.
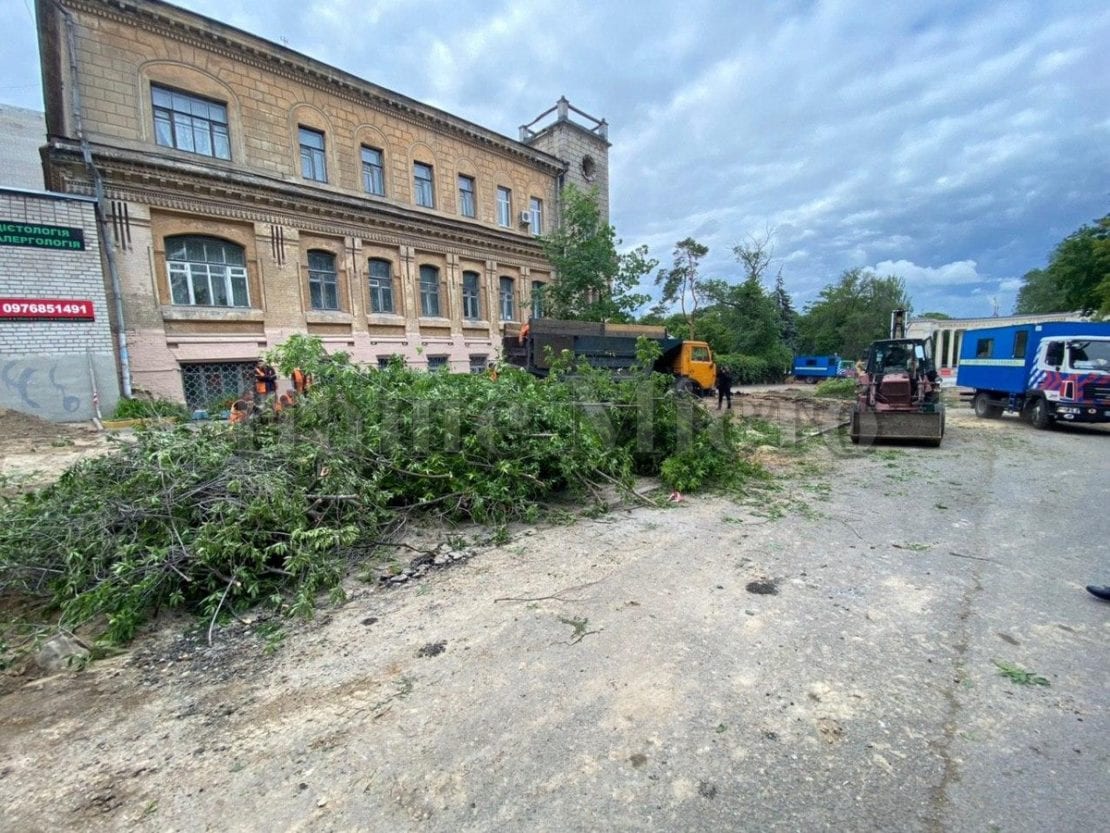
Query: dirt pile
x=15, y=425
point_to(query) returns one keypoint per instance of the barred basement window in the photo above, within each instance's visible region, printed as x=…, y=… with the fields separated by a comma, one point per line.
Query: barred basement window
x=437, y=363
x=323, y=282
x=478, y=364
x=211, y=386
x=206, y=272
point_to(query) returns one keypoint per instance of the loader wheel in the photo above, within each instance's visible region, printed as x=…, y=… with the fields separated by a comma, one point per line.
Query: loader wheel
x=983, y=407
x=853, y=432
x=1039, y=415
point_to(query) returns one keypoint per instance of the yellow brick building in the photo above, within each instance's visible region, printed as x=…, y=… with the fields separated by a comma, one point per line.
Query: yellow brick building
x=253, y=192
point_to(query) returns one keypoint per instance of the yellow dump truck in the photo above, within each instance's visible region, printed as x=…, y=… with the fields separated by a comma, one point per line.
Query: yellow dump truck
x=611, y=347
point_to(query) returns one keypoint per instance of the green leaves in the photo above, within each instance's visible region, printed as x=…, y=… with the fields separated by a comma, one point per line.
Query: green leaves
x=1077, y=276
x=595, y=282
x=272, y=511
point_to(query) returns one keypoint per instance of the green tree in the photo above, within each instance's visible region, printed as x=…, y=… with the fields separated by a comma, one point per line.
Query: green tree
x=850, y=314
x=682, y=282
x=937, y=316
x=787, y=315
x=593, y=281
x=1077, y=277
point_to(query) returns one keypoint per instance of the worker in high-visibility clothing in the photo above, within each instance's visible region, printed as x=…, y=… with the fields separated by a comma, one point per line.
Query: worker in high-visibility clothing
x=265, y=380
x=301, y=380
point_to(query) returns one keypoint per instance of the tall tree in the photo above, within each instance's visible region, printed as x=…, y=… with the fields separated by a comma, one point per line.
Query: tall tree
x=593, y=281
x=681, y=283
x=787, y=315
x=850, y=314
x=1077, y=277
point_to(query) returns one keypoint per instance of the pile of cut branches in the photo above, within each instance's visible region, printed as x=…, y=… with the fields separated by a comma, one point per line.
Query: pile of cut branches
x=224, y=517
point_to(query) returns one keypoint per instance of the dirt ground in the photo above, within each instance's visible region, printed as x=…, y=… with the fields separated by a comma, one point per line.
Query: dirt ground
x=823, y=655
x=34, y=452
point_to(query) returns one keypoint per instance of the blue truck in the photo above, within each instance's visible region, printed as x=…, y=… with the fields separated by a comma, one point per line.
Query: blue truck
x=1045, y=372
x=814, y=369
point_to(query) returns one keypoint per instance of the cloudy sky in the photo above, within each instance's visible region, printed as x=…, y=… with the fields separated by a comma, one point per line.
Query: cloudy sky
x=951, y=143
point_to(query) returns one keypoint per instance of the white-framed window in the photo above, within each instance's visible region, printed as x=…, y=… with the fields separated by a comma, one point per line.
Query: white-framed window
x=537, y=299
x=536, y=210
x=373, y=171
x=323, y=281
x=429, y=291
x=504, y=206
x=508, y=310
x=381, y=285
x=189, y=122
x=471, y=295
x=206, y=272
x=423, y=185
x=467, y=205
x=313, y=163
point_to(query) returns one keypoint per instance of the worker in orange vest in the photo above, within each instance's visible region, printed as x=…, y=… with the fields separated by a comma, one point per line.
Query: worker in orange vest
x=301, y=380
x=265, y=380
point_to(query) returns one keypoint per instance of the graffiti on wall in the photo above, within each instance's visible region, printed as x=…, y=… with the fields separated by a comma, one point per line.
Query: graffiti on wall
x=38, y=388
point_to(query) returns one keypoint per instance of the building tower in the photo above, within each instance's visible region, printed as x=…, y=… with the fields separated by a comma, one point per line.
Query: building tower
x=582, y=144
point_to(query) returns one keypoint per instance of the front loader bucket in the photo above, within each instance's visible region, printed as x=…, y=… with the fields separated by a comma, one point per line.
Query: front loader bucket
x=898, y=426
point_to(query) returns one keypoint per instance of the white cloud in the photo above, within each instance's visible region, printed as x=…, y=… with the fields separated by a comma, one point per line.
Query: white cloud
x=959, y=272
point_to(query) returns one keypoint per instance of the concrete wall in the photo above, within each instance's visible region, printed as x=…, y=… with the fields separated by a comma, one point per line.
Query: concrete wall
x=22, y=133
x=47, y=366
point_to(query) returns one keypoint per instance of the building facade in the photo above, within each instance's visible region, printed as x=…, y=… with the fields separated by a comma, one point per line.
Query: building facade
x=254, y=193
x=56, y=351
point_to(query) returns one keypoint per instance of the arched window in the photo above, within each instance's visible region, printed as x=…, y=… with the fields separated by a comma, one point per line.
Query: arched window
x=206, y=272
x=381, y=285
x=323, y=282
x=429, y=291
x=508, y=312
x=471, y=295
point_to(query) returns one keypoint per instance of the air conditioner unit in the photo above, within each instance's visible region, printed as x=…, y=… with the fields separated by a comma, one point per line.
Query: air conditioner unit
x=526, y=218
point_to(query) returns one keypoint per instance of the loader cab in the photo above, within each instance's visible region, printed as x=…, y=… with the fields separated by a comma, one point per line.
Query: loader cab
x=902, y=355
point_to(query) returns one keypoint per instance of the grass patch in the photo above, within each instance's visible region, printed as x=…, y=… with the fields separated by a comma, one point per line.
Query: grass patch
x=1018, y=675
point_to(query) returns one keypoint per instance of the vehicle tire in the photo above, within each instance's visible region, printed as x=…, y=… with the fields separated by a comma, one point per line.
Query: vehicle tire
x=684, y=384
x=984, y=409
x=1039, y=416
x=853, y=431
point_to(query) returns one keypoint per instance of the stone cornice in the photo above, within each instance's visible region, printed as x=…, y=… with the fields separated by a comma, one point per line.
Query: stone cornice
x=194, y=189
x=211, y=35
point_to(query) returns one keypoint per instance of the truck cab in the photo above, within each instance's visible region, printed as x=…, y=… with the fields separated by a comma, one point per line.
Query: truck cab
x=693, y=360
